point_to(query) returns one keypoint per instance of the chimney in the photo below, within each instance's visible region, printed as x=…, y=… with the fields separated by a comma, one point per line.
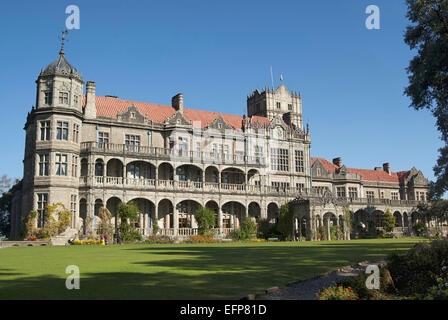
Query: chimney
x=90, y=110
x=338, y=161
x=386, y=167
x=378, y=169
x=177, y=102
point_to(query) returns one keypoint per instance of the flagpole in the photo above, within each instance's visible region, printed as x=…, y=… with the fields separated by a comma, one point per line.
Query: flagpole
x=272, y=78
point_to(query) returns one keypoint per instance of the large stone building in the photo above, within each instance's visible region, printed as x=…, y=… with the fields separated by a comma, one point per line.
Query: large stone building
x=87, y=152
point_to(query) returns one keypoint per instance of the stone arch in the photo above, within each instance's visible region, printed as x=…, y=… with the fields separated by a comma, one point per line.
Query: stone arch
x=147, y=210
x=165, y=214
x=112, y=205
x=82, y=214
x=272, y=212
x=98, y=205
x=405, y=220
x=361, y=219
x=211, y=174
x=188, y=172
x=232, y=175
x=213, y=205
x=186, y=211
x=253, y=175
x=398, y=219
x=139, y=169
x=114, y=168
x=165, y=171
x=233, y=213
x=99, y=167
x=377, y=218
x=329, y=219
x=254, y=210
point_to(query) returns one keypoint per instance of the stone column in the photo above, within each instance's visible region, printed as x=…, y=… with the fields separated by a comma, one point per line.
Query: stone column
x=175, y=221
x=220, y=219
x=328, y=229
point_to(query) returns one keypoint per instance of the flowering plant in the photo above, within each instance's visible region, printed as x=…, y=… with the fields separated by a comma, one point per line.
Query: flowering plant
x=337, y=293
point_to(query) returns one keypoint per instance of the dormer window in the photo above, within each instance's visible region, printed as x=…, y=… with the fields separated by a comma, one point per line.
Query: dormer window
x=63, y=97
x=178, y=121
x=132, y=115
x=48, y=97
x=220, y=125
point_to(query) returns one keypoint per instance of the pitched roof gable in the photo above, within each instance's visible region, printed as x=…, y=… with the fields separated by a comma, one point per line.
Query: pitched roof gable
x=110, y=107
x=366, y=174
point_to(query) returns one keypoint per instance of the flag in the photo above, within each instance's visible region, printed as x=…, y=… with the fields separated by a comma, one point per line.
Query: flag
x=281, y=76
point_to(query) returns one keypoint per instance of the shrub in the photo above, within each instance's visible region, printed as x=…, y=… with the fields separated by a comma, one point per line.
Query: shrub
x=247, y=230
x=418, y=270
x=205, y=218
x=158, y=239
x=200, y=239
x=419, y=228
x=266, y=229
x=388, y=221
x=285, y=222
x=128, y=214
x=337, y=293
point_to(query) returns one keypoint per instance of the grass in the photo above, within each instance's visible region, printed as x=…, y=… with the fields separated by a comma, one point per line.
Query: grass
x=178, y=271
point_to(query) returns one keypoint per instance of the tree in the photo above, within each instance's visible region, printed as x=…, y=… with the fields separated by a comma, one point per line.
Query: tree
x=205, y=218
x=5, y=208
x=128, y=214
x=105, y=226
x=388, y=221
x=428, y=72
x=285, y=222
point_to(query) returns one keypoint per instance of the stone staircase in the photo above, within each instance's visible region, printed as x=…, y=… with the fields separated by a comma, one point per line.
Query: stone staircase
x=62, y=239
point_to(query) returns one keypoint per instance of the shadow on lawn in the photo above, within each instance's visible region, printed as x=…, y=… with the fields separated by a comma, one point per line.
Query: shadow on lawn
x=201, y=272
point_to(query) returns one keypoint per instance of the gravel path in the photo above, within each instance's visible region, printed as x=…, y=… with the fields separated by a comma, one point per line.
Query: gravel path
x=306, y=289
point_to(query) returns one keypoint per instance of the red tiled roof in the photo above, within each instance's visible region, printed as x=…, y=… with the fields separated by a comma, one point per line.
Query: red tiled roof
x=366, y=174
x=110, y=107
x=329, y=166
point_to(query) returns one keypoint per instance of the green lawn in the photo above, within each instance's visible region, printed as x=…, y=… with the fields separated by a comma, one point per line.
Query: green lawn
x=181, y=271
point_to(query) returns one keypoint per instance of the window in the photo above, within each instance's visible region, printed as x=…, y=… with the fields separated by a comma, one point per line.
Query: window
x=103, y=139
x=76, y=99
x=182, y=146
x=289, y=107
x=45, y=129
x=42, y=200
x=48, y=97
x=61, y=164
x=63, y=97
x=394, y=196
x=381, y=195
x=280, y=185
x=198, y=147
x=132, y=142
x=300, y=186
x=135, y=171
x=353, y=193
x=299, y=161
x=321, y=190
x=74, y=166
x=73, y=204
x=370, y=194
x=62, y=130
x=279, y=159
x=75, y=132
x=279, y=105
x=44, y=164
x=341, y=192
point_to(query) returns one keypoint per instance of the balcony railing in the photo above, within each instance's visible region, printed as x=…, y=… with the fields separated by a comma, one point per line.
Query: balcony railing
x=186, y=232
x=173, y=154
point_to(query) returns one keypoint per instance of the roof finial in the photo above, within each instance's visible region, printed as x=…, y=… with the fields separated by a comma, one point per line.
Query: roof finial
x=62, y=39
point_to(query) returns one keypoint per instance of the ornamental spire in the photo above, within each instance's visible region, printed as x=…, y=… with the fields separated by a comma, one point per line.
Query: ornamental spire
x=62, y=39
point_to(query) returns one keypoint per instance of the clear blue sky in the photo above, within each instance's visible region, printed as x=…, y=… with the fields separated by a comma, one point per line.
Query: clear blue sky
x=217, y=52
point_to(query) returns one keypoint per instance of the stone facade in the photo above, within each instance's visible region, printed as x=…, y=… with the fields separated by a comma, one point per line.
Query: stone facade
x=88, y=151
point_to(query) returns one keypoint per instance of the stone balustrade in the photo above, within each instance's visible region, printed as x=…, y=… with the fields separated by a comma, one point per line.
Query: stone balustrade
x=171, y=154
